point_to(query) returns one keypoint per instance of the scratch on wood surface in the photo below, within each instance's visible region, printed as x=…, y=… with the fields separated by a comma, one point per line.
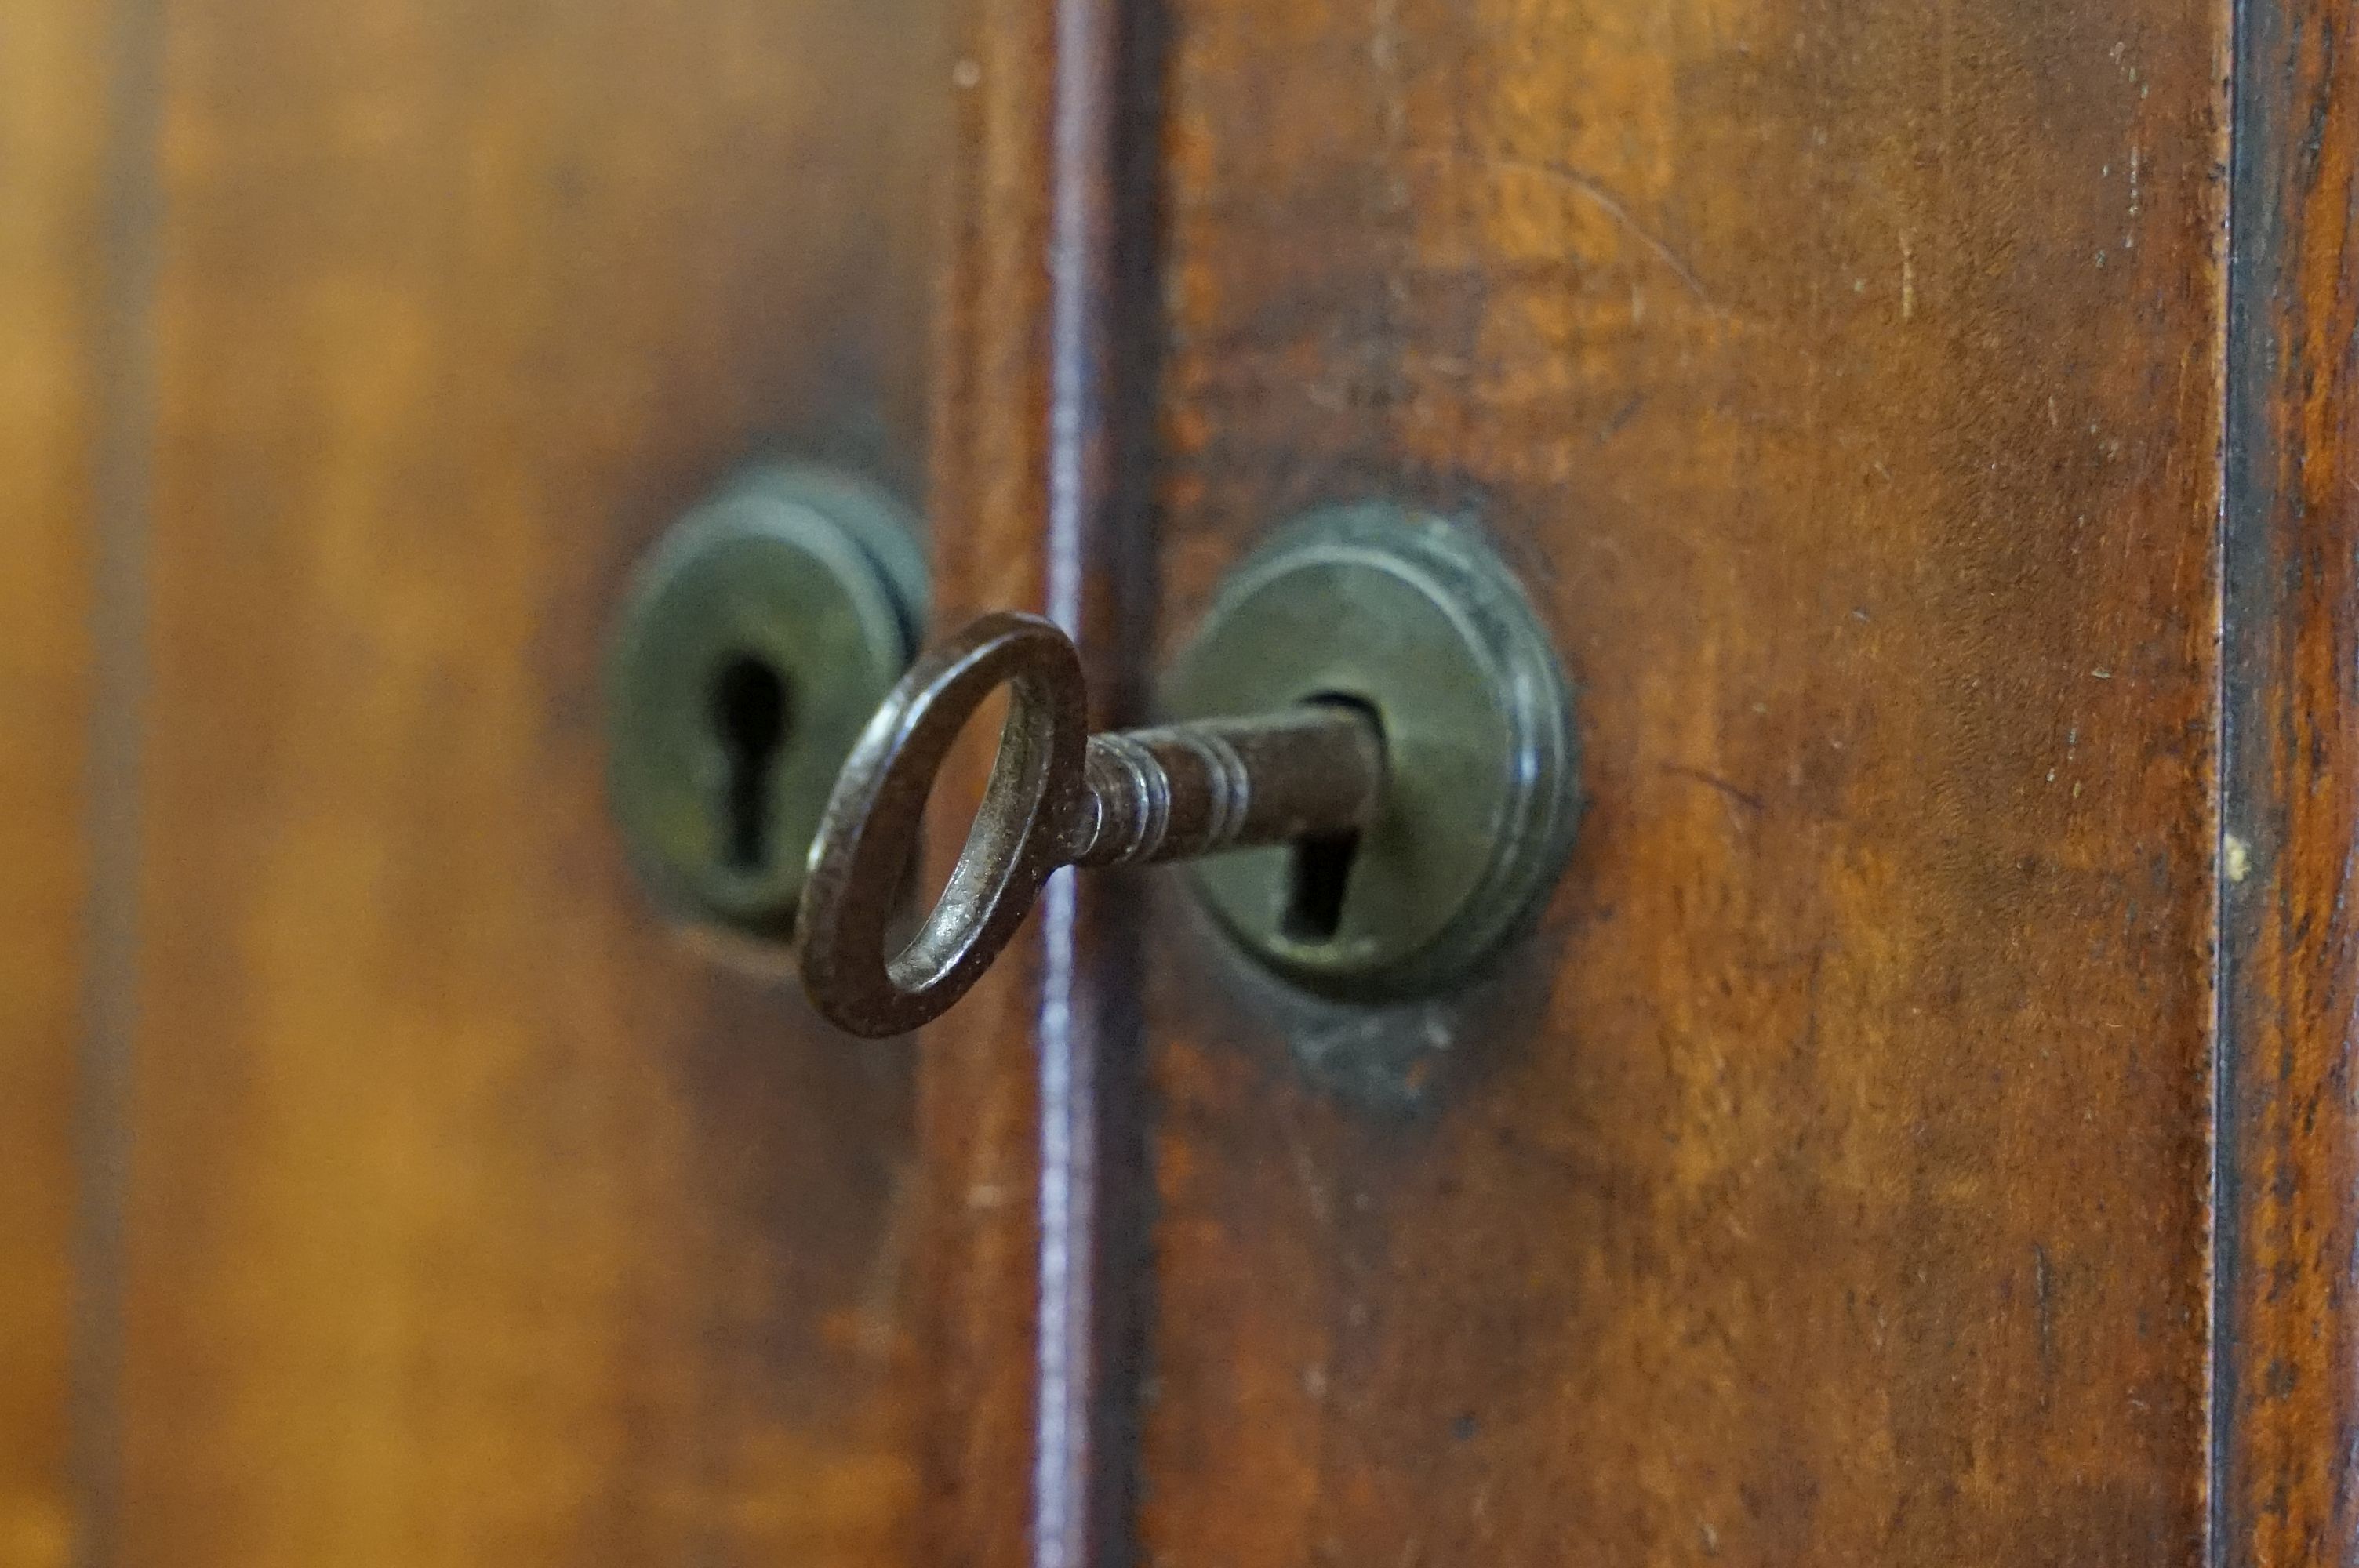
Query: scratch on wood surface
x=1711, y=781
x=1601, y=196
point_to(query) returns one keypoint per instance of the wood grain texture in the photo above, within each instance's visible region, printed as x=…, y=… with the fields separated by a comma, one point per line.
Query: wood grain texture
x=53, y=96
x=978, y=1122
x=1030, y=1129
x=2288, y=1401
x=1826, y=1182
x=472, y=1216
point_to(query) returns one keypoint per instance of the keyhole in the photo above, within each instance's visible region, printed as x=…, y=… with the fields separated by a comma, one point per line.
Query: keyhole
x=750, y=711
x=1319, y=870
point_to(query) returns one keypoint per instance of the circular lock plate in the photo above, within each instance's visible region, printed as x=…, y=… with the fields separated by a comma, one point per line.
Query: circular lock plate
x=756, y=639
x=1415, y=620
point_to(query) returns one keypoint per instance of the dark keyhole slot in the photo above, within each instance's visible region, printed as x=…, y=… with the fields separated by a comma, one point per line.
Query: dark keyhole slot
x=750, y=711
x=1319, y=870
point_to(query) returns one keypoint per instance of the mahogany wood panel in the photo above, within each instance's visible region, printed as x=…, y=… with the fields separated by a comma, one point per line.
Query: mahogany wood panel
x=1828, y=1180
x=1029, y=1132
x=978, y=1123
x=2289, y=1135
x=53, y=95
x=472, y=1216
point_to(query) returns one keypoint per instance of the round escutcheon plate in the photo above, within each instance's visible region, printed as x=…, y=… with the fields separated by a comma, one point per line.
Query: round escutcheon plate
x=1414, y=619
x=757, y=638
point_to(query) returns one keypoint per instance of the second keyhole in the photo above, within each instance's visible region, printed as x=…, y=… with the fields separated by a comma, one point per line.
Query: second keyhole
x=753, y=715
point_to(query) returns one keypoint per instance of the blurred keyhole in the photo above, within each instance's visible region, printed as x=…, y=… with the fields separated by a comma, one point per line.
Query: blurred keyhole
x=750, y=711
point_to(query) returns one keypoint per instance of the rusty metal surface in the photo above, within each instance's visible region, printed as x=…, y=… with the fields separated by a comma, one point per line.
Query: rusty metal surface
x=1059, y=796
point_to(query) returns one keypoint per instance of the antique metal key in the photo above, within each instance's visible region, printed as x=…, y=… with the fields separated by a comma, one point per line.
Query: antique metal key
x=1376, y=786
x=1057, y=797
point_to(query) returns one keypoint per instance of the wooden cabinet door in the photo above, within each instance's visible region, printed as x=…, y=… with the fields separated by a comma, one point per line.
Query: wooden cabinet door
x=1921, y=1129
x=385, y=1183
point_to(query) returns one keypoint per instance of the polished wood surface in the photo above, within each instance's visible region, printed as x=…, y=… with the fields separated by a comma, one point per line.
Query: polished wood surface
x=470, y=1215
x=2289, y=1133
x=1864, y=391
x=978, y=1127
x=1828, y=1180
x=53, y=97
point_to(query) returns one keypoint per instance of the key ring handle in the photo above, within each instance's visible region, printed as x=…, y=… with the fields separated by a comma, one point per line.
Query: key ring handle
x=871, y=825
